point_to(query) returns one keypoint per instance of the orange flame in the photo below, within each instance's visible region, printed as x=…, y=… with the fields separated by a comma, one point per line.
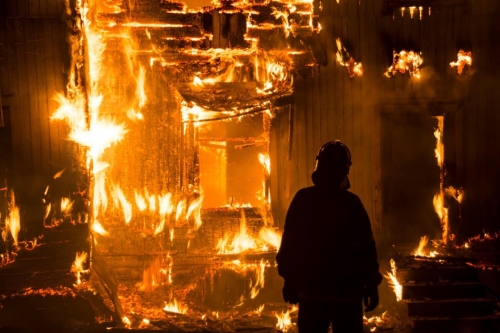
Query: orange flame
x=120, y=200
x=457, y=194
x=140, y=201
x=166, y=208
x=438, y=134
x=393, y=281
x=260, y=278
x=97, y=227
x=195, y=210
x=265, y=160
x=12, y=221
x=284, y=321
x=140, y=92
x=77, y=267
x=344, y=59
x=420, y=250
x=464, y=58
x=174, y=306
x=66, y=206
x=442, y=213
x=405, y=62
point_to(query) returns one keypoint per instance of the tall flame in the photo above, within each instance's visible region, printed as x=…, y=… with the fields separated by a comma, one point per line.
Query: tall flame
x=174, y=306
x=439, y=200
x=12, y=221
x=284, y=321
x=77, y=267
x=265, y=160
x=393, y=281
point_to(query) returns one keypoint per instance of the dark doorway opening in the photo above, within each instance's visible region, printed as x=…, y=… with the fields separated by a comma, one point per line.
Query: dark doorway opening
x=410, y=175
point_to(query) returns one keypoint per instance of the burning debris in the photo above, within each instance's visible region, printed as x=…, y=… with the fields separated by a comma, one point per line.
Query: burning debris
x=405, y=62
x=464, y=59
x=344, y=59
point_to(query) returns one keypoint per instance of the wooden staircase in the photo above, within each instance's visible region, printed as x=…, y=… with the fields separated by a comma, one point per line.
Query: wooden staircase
x=444, y=295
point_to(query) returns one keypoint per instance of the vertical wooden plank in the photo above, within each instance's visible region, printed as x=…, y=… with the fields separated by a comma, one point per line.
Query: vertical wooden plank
x=25, y=157
x=324, y=88
x=349, y=33
x=310, y=132
x=43, y=99
x=53, y=132
x=15, y=117
x=300, y=163
x=317, y=115
x=45, y=7
x=33, y=91
x=10, y=8
x=22, y=8
x=59, y=130
x=368, y=38
x=339, y=86
x=5, y=85
x=34, y=8
x=331, y=71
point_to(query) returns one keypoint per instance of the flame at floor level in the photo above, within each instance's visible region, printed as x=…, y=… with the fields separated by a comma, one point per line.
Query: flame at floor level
x=420, y=250
x=13, y=221
x=393, y=281
x=77, y=267
x=175, y=307
x=284, y=321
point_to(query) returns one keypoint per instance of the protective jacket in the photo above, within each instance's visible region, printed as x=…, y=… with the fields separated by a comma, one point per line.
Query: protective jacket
x=327, y=251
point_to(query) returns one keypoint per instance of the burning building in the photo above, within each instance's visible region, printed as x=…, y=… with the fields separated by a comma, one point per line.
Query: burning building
x=149, y=149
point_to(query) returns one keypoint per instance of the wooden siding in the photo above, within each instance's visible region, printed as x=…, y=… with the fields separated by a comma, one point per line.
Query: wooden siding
x=33, y=57
x=331, y=106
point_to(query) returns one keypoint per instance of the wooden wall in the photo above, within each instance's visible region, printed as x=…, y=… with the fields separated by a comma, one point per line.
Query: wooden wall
x=33, y=59
x=331, y=106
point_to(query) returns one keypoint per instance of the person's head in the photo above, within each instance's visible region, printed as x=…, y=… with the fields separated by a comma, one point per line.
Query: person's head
x=332, y=165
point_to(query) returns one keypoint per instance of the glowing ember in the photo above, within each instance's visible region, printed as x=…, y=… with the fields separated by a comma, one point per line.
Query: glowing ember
x=174, y=306
x=284, y=321
x=126, y=322
x=464, y=58
x=393, y=281
x=77, y=267
x=405, y=62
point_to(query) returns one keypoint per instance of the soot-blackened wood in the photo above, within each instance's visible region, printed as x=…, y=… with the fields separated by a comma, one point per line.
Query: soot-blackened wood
x=49, y=264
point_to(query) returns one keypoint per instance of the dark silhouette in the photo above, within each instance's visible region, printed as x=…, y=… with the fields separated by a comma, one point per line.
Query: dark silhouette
x=327, y=255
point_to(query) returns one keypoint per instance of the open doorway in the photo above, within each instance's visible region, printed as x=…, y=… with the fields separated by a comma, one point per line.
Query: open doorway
x=410, y=174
